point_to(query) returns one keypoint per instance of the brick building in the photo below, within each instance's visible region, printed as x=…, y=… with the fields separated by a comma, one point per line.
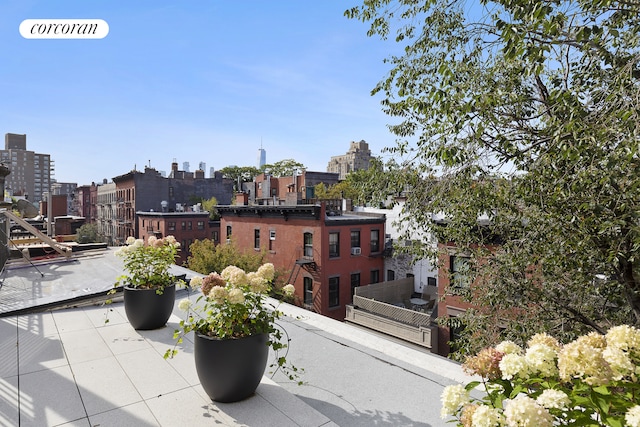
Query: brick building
x=149, y=191
x=325, y=253
x=186, y=227
x=290, y=189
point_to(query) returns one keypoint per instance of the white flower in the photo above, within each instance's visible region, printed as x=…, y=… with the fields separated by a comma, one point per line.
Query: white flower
x=151, y=241
x=523, y=411
x=453, y=397
x=218, y=294
x=509, y=347
x=512, y=365
x=184, y=304
x=288, y=289
x=553, y=399
x=130, y=240
x=542, y=358
x=235, y=276
x=267, y=271
x=236, y=296
x=620, y=363
x=257, y=283
x=632, y=417
x=624, y=337
x=485, y=416
x=195, y=282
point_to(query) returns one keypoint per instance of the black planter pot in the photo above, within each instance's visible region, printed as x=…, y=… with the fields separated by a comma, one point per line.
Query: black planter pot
x=146, y=309
x=230, y=370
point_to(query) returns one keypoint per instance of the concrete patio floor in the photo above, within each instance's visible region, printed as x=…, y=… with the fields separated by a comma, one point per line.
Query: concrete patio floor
x=66, y=367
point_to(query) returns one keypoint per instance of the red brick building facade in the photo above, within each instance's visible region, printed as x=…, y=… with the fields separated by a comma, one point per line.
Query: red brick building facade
x=325, y=254
x=186, y=227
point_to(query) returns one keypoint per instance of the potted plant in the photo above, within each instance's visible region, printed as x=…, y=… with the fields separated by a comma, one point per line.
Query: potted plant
x=149, y=287
x=234, y=327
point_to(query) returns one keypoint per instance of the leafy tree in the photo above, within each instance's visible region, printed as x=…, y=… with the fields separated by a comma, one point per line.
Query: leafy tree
x=528, y=114
x=210, y=206
x=207, y=257
x=240, y=174
x=88, y=233
x=285, y=167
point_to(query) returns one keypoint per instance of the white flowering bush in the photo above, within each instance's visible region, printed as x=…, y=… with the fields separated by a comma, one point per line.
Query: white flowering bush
x=233, y=305
x=147, y=264
x=590, y=381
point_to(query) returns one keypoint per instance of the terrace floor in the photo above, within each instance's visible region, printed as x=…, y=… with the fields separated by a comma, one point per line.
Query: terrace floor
x=66, y=367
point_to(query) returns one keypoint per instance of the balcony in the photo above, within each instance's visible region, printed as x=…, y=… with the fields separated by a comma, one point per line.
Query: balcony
x=387, y=307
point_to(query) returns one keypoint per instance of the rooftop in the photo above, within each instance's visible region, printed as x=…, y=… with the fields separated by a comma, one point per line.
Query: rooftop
x=61, y=365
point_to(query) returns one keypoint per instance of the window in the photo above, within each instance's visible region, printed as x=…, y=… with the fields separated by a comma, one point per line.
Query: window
x=355, y=282
x=391, y=275
x=334, y=245
x=334, y=291
x=256, y=239
x=189, y=225
x=308, y=245
x=215, y=237
x=228, y=231
x=460, y=271
x=308, y=290
x=355, y=239
x=184, y=225
x=200, y=225
x=375, y=241
x=431, y=281
x=375, y=276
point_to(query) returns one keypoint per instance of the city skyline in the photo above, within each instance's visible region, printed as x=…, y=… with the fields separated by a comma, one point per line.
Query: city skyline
x=196, y=82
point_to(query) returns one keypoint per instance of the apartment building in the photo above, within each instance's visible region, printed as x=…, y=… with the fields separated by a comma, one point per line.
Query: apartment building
x=326, y=253
x=186, y=227
x=106, y=211
x=357, y=158
x=149, y=191
x=31, y=172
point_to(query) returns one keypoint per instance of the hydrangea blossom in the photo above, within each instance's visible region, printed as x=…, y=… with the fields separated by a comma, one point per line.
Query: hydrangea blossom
x=553, y=399
x=486, y=416
x=632, y=417
x=523, y=411
x=453, y=397
x=512, y=365
x=583, y=359
x=541, y=359
x=509, y=347
x=236, y=296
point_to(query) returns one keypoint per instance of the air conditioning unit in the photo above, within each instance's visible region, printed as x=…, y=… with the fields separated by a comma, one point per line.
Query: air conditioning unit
x=356, y=251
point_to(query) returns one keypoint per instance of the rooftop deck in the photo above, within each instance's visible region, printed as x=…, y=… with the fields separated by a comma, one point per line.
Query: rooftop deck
x=66, y=367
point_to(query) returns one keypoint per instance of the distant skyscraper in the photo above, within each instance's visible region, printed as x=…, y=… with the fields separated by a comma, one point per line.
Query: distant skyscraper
x=262, y=157
x=202, y=166
x=185, y=166
x=212, y=172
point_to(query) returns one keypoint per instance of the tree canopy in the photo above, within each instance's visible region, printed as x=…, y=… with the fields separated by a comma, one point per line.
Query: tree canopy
x=240, y=174
x=526, y=113
x=286, y=167
x=207, y=257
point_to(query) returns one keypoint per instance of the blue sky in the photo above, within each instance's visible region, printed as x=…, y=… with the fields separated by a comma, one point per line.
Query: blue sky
x=192, y=81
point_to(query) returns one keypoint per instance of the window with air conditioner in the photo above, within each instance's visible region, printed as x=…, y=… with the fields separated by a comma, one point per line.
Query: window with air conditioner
x=356, y=251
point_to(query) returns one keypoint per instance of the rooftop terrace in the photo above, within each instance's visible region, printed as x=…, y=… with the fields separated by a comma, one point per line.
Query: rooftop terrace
x=61, y=365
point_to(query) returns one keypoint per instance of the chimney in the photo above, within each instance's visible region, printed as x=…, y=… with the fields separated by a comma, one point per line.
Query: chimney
x=199, y=174
x=242, y=199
